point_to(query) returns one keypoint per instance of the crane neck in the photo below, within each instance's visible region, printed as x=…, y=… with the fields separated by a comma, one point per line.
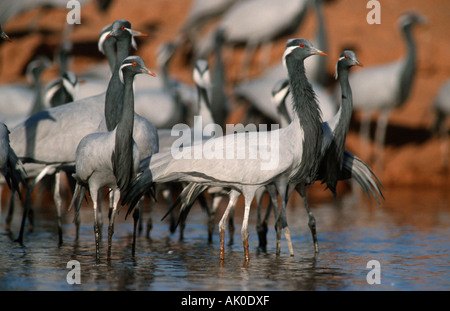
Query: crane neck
x=38, y=103
x=170, y=86
x=204, y=108
x=333, y=151
x=110, y=53
x=122, y=157
x=115, y=90
x=218, y=104
x=409, y=66
x=346, y=107
x=165, y=74
x=344, y=116
x=307, y=114
x=123, y=45
x=126, y=121
x=285, y=118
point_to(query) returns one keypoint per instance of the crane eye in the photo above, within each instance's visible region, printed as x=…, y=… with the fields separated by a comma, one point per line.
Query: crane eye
x=123, y=28
x=301, y=45
x=134, y=64
x=346, y=56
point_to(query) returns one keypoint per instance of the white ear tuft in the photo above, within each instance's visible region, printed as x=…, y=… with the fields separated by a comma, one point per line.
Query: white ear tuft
x=121, y=72
x=286, y=53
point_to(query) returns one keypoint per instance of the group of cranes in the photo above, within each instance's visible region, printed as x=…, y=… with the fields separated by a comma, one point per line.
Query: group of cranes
x=305, y=142
x=102, y=142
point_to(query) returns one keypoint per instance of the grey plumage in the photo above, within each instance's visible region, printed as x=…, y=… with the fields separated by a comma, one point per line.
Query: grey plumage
x=239, y=174
x=121, y=30
x=332, y=161
x=10, y=166
x=61, y=90
x=110, y=159
x=387, y=86
x=18, y=101
x=309, y=117
x=254, y=23
x=51, y=137
x=219, y=100
x=335, y=162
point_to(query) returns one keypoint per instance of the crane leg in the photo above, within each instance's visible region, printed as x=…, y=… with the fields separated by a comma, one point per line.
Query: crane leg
x=211, y=221
x=281, y=223
x=97, y=233
x=116, y=196
x=10, y=211
x=58, y=204
x=150, y=221
x=244, y=230
x=233, y=196
x=380, y=137
x=231, y=224
x=135, y=220
x=301, y=189
x=259, y=224
x=261, y=227
x=137, y=215
x=27, y=209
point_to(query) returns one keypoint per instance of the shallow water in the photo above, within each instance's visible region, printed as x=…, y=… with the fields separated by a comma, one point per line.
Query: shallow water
x=408, y=235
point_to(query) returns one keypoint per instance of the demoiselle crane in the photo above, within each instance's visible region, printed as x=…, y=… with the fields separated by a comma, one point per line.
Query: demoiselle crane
x=111, y=159
x=18, y=101
x=231, y=161
x=56, y=132
x=386, y=87
x=334, y=160
x=333, y=154
x=61, y=90
x=256, y=23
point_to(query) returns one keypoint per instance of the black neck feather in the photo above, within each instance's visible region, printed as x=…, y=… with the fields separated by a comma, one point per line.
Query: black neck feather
x=122, y=157
x=407, y=76
x=331, y=164
x=309, y=116
x=114, y=92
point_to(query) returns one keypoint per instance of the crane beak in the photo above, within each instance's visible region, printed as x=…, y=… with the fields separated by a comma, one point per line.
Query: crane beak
x=4, y=36
x=111, y=34
x=319, y=52
x=423, y=20
x=133, y=32
x=136, y=33
x=148, y=71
